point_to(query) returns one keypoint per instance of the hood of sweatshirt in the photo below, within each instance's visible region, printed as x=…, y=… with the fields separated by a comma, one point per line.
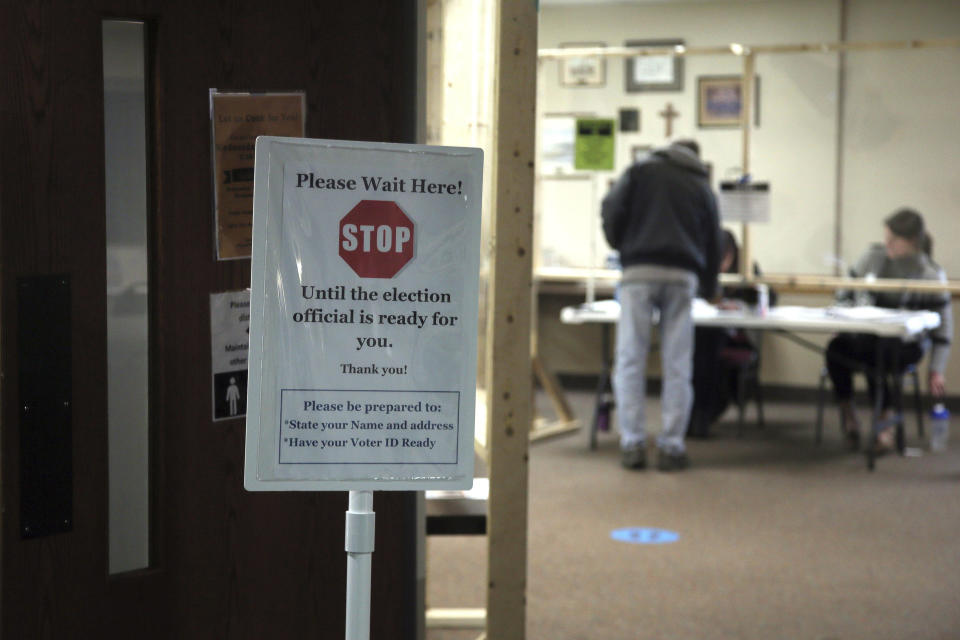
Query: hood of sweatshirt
x=681, y=156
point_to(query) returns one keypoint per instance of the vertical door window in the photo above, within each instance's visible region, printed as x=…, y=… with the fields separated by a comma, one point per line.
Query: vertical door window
x=125, y=138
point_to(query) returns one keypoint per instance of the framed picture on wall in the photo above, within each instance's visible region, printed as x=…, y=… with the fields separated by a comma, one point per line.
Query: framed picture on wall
x=583, y=71
x=630, y=120
x=654, y=72
x=720, y=101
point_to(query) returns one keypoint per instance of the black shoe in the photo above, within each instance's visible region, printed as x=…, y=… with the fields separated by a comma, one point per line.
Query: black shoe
x=851, y=439
x=850, y=428
x=672, y=461
x=699, y=426
x=634, y=458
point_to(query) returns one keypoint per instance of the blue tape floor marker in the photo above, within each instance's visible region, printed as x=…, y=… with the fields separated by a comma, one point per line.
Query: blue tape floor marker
x=644, y=535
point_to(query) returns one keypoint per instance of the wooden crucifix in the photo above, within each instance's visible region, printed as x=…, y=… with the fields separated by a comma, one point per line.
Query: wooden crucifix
x=669, y=114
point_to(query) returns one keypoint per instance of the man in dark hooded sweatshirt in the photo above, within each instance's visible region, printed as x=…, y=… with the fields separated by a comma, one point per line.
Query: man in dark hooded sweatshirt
x=661, y=215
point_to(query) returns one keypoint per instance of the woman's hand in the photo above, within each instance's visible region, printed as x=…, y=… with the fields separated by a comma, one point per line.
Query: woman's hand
x=730, y=305
x=937, y=384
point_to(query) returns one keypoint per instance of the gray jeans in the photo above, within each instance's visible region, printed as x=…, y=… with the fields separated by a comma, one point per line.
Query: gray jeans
x=638, y=300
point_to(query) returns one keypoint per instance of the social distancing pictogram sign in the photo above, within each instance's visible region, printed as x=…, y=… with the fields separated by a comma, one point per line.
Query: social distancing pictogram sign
x=363, y=316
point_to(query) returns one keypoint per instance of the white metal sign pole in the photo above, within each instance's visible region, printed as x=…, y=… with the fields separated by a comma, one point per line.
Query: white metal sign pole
x=359, y=546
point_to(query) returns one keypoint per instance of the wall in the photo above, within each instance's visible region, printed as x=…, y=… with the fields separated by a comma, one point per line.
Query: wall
x=460, y=113
x=901, y=132
x=838, y=162
x=460, y=81
x=793, y=146
x=901, y=124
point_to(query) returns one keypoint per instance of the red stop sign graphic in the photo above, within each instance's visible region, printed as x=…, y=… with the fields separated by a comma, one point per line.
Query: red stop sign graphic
x=376, y=239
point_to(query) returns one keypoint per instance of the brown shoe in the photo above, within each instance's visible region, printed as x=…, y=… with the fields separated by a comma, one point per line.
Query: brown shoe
x=886, y=442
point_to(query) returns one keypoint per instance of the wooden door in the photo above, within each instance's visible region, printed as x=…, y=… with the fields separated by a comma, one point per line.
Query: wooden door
x=224, y=563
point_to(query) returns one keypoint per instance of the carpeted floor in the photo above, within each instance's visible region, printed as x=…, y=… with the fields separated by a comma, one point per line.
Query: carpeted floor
x=778, y=539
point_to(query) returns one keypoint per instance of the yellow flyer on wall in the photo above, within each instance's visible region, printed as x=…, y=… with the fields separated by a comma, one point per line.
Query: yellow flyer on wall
x=236, y=121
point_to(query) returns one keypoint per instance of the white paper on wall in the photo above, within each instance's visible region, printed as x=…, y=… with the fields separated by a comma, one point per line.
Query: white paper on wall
x=744, y=202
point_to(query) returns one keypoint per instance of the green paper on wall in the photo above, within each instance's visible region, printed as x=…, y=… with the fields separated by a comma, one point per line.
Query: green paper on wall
x=594, y=144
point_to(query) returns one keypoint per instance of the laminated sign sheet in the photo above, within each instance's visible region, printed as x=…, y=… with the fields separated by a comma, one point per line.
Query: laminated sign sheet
x=363, y=316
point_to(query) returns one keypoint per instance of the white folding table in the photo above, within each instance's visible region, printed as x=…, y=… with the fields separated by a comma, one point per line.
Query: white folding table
x=784, y=320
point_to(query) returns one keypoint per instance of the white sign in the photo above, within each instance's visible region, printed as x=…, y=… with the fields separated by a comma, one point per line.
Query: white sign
x=744, y=202
x=653, y=69
x=229, y=338
x=363, y=326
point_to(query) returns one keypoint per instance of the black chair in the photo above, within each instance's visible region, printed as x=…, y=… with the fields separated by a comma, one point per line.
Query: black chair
x=911, y=372
x=744, y=361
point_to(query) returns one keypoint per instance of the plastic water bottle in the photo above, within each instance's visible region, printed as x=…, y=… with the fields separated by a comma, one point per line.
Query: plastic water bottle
x=939, y=427
x=763, y=299
x=862, y=297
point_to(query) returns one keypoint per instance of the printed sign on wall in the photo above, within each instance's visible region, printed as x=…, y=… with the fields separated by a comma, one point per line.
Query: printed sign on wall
x=594, y=144
x=744, y=201
x=236, y=120
x=229, y=338
x=363, y=326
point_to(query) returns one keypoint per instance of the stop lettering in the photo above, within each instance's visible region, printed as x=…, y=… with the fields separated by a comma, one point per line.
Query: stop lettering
x=376, y=239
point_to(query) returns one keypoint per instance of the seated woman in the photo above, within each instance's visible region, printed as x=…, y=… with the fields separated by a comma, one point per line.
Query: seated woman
x=901, y=256
x=714, y=383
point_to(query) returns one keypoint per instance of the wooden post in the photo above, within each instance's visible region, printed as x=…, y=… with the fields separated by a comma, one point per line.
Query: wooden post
x=434, y=70
x=508, y=369
x=840, y=144
x=746, y=114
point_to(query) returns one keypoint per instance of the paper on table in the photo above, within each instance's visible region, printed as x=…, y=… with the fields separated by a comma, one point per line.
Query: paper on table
x=703, y=309
x=603, y=306
x=877, y=314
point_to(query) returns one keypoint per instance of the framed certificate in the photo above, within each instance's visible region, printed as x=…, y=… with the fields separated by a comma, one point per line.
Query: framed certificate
x=583, y=71
x=654, y=72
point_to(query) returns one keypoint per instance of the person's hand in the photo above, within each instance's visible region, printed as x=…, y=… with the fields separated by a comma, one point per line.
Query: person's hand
x=730, y=305
x=938, y=384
